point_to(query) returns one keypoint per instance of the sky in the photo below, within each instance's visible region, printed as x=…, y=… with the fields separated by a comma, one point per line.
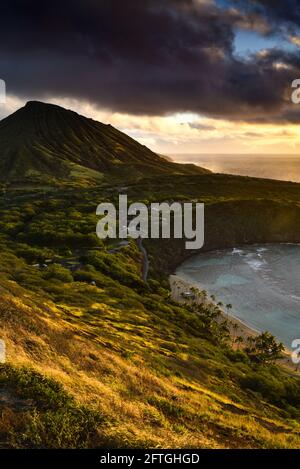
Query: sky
x=180, y=76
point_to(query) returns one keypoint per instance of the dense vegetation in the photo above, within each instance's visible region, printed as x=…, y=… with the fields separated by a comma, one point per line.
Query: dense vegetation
x=99, y=358
x=137, y=367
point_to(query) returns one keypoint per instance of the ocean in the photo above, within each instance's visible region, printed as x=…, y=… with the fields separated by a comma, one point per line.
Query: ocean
x=281, y=167
x=261, y=282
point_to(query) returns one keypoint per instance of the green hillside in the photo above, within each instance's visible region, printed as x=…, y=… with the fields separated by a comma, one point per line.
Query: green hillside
x=44, y=143
x=96, y=357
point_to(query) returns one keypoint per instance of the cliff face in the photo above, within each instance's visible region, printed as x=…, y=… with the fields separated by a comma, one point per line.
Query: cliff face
x=231, y=224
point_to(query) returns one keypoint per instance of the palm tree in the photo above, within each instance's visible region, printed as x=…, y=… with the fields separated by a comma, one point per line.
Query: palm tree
x=235, y=328
x=228, y=307
x=239, y=340
x=204, y=295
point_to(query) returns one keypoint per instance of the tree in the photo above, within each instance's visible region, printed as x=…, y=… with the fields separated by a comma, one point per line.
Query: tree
x=228, y=307
x=235, y=329
x=203, y=295
x=264, y=348
x=239, y=340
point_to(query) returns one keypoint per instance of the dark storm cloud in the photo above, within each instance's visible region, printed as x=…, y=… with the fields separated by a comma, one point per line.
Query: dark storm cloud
x=282, y=17
x=283, y=12
x=140, y=56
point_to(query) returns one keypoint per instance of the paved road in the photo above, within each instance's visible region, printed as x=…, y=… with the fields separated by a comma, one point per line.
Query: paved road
x=145, y=260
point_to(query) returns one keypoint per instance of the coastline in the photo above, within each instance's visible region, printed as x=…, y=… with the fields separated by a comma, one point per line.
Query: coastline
x=179, y=285
x=182, y=285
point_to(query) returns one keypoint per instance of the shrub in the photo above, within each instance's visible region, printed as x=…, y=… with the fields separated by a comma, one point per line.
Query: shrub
x=57, y=272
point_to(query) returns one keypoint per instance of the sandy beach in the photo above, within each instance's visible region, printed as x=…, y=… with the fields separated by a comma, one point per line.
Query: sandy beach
x=236, y=327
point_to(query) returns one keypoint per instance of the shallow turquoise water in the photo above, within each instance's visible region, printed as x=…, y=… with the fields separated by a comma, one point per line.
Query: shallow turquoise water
x=261, y=282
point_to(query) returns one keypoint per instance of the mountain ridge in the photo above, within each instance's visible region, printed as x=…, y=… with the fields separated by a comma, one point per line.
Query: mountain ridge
x=45, y=141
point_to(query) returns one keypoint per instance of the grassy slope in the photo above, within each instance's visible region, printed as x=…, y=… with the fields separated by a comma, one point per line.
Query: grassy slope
x=143, y=370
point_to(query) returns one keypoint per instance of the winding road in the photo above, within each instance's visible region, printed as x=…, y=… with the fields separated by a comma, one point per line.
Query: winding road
x=145, y=260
